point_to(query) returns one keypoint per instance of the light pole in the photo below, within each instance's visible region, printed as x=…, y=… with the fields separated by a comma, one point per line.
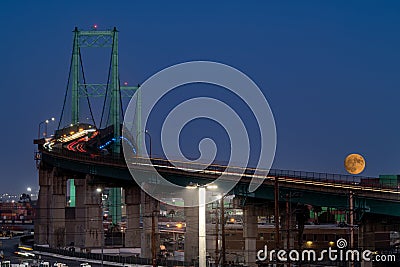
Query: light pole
x=99, y=191
x=45, y=129
x=202, y=220
x=146, y=132
x=202, y=227
x=153, y=239
x=223, y=245
x=44, y=122
x=276, y=214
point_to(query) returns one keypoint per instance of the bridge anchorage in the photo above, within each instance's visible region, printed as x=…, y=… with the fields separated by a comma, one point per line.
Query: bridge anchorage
x=88, y=201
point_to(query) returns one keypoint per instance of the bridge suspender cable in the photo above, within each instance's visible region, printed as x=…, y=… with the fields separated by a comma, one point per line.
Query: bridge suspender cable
x=84, y=82
x=107, y=85
x=66, y=91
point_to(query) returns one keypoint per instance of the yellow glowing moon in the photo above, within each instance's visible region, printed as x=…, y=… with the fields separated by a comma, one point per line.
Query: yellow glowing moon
x=354, y=163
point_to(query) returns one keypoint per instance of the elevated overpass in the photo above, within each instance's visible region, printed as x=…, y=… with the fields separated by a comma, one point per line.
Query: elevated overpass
x=373, y=201
x=90, y=156
x=320, y=189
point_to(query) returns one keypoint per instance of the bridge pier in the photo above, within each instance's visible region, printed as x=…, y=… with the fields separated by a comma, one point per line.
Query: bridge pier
x=250, y=232
x=192, y=230
x=88, y=214
x=50, y=217
x=42, y=213
x=57, y=210
x=80, y=212
x=192, y=233
x=93, y=218
x=150, y=232
x=132, y=201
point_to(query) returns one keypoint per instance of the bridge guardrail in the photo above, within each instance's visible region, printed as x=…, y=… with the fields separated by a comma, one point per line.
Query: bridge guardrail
x=215, y=169
x=123, y=259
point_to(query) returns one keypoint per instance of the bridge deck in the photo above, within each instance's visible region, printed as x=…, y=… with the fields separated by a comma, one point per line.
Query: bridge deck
x=297, y=179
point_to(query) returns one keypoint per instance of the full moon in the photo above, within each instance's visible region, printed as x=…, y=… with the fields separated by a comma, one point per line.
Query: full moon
x=354, y=163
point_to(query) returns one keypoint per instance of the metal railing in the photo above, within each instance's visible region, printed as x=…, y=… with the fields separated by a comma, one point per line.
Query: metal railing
x=215, y=170
x=123, y=259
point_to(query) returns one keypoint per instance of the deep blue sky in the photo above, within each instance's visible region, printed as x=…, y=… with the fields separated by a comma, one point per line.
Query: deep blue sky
x=330, y=69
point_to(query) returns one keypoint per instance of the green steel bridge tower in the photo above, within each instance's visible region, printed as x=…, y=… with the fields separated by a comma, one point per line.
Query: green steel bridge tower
x=111, y=91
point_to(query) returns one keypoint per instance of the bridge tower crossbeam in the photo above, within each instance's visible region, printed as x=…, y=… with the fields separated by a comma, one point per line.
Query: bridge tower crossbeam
x=99, y=39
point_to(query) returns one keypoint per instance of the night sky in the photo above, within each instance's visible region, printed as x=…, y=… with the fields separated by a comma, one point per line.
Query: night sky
x=329, y=69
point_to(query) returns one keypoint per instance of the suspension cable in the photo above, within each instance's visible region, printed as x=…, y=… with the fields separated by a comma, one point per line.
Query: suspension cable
x=108, y=82
x=66, y=90
x=86, y=92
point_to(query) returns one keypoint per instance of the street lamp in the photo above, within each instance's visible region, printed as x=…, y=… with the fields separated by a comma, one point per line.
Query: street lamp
x=202, y=220
x=146, y=132
x=99, y=191
x=44, y=122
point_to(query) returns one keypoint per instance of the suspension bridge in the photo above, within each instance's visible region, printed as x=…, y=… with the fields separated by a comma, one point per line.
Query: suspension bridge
x=85, y=153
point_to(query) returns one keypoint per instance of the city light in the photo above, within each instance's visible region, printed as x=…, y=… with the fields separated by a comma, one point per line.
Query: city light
x=191, y=186
x=212, y=186
x=29, y=189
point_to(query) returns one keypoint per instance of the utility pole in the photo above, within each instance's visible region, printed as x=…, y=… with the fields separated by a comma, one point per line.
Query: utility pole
x=153, y=240
x=216, y=235
x=99, y=190
x=287, y=223
x=223, y=254
x=351, y=206
x=276, y=198
x=102, y=238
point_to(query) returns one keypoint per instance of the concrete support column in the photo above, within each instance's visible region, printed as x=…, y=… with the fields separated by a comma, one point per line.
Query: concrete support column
x=114, y=199
x=43, y=207
x=150, y=212
x=133, y=232
x=80, y=212
x=57, y=210
x=94, y=218
x=250, y=232
x=192, y=229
